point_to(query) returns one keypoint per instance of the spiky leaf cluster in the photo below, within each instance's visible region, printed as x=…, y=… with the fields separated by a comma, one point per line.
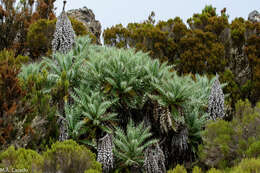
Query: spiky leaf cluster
x=30, y=69
x=216, y=101
x=124, y=74
x=74, y=121
x=130, y=146
x=195, y=124
x=105, y=154
x=63, y=65
x=64, y=36
x=119, y=74
x=175, y=91
x=94, y=108
x=173, y=101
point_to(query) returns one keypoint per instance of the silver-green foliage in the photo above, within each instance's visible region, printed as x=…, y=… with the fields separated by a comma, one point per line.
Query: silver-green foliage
x=29, y=70
x=93, y=107
x=74, y=121
x=69, y=65
x=66, y=65
x=174, y=91
x=130, y=146
x=124, y=74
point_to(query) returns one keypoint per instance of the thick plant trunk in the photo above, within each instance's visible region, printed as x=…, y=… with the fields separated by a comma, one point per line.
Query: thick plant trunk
x=134, y=169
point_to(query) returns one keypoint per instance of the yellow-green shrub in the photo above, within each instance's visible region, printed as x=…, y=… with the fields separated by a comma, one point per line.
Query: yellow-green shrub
x=92, y=171
x=197, y=169
x=20, y=159
x=213, y=170
x=69, y=157
x=247, y=166
x=254, y=150
x=79, y=28
x=12, y=60
x=178, y=169
x=39, y=37
x=226, y=143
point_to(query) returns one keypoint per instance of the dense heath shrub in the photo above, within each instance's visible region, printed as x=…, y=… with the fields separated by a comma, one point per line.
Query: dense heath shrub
x=197, y=169
x=68, y=156
x=21, y=159
x=14, y=108
x=178, y=169
x=213, y=170
x=253, y=150
x=226, y=143
x=247, y=166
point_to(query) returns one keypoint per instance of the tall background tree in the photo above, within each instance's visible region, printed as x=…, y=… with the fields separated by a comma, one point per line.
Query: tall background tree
x=209, y=45
x=15, y=19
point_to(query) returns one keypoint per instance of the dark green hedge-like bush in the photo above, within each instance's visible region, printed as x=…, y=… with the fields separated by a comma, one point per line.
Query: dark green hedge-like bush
x=39, y=37
x=69, y=157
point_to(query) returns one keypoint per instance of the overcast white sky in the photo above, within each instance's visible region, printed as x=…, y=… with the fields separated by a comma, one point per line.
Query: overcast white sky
x=111, y=12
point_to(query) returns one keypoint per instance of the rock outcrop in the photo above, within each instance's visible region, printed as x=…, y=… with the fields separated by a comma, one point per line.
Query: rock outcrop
x=254, y=16
x=86, y=16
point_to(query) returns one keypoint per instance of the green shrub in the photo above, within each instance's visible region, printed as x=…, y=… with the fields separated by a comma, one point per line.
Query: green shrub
x=79, y=28
x=197, y=169
x=232, y=86
x=69, y=157
x=213, y=170
x=82, y=30
x=92, y=171
x=247, y=166
x=178, y=169
x=12, y=60
x=39, y=36
x=217, y=137
x=35, y=83
x=21, y=159
x=226, y=143
x=253, y=150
